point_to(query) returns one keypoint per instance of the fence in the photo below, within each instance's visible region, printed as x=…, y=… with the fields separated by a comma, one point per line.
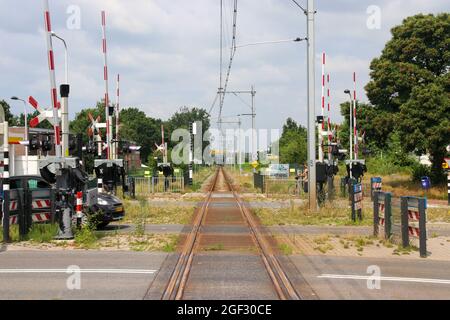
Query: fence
x=147, y=186
x=290, y=187
x=401, y=218
x=25, y=207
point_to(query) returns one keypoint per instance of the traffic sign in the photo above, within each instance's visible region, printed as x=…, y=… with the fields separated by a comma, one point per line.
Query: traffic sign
x=255, y=164
x=446, y=164
x=44, y=114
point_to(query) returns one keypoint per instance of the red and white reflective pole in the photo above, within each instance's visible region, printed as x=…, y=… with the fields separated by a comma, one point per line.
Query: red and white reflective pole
x=116, y=149
x=108, y=117
x=321, y=153
x=330, y=135
x=53, y=90
x=79, y=205
x=355, y=130
x=79, y=208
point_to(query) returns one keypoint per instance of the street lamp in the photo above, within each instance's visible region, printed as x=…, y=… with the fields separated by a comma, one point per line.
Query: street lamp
x=26, y=129
x=64, y=91
x=347, y=91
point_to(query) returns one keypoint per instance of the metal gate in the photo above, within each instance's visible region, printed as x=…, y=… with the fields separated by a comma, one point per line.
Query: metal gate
x=147, y=186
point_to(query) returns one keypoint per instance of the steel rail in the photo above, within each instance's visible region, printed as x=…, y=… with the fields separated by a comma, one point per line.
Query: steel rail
x=177, y=281
x=280, y=280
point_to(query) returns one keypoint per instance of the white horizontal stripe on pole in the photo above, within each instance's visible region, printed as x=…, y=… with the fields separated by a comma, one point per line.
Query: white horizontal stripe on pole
x=73, y=270
x=395, y=279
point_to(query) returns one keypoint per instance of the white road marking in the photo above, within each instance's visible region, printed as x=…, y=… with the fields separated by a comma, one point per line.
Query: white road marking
x=394, y=279
x=71, y=270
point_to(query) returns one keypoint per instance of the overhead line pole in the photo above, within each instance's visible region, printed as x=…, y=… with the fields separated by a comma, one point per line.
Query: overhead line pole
x=312, y=185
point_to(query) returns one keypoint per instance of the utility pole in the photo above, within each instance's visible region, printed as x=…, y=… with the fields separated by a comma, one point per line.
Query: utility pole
x=311, y=108
x=254, y=142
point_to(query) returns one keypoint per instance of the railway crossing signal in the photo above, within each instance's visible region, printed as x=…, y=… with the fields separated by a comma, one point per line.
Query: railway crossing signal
x=44, y=114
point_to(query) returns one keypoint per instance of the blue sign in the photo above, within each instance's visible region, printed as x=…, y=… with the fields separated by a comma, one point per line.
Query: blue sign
x=279, y=170
x=357, y=188
x=426, y=183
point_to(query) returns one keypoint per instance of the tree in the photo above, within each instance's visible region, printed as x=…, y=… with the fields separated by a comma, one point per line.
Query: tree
x=409, y=86
x=184, y=117
x=424, y=124
x=293, y=143
x=137, y=127
x=81, y=123
x=375, y=123
x=9, y=117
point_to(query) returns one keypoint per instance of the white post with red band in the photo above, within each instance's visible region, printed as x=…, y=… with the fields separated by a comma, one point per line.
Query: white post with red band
x=53, y=90
x=79, y=205
x=116, y=148
x=322, y=127
x=108, y=118
x=330, y=135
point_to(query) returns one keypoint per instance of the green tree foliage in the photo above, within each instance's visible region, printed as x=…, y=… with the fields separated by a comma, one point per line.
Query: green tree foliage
x=293, y=143
x=424, y=124
x=137, y=127
x=185, y=116
x=81, y=123
x=9, y=117
x=409, y=88
x=374, y=123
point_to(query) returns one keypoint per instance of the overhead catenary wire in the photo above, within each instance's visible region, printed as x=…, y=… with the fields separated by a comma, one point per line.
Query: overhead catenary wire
x=230, y=64
x=298, y=5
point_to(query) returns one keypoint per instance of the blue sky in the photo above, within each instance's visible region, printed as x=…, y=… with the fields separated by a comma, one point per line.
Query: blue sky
x=167, y=52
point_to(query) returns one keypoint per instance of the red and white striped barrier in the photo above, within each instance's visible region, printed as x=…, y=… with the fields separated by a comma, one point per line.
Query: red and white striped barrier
x=117, y=117
x=323, y=87
x=41, y=204
x=414, y=232
x=414, y=215
x=108, y=118
x=381, y=213
x=53, y=90
x=330, y=134
x=35, y=217
x=13, y=220
x=41, y=217
x=12, y=205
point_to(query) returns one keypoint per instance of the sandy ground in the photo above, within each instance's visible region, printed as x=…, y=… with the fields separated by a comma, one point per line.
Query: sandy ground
x=361, y=246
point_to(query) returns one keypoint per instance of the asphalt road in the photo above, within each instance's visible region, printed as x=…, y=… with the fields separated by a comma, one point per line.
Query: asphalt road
x=343, y=278
x=39, y=275
x=31, y=275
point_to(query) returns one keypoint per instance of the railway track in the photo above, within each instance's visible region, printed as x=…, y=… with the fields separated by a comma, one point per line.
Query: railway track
x=231, y=210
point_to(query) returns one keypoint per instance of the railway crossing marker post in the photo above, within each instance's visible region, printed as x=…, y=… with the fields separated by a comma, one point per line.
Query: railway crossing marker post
x=413, y=212
x=375, y=186
x=446, y=166
x=382, y=213
x=356, y=195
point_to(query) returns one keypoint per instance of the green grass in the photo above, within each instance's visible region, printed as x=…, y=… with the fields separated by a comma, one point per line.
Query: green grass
x=86, y=238
x=215, y=247
x=39, y=233
x=42, y=233
x=300, y=215
x=164, y=243
x=142, y=212
x=285, y=249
